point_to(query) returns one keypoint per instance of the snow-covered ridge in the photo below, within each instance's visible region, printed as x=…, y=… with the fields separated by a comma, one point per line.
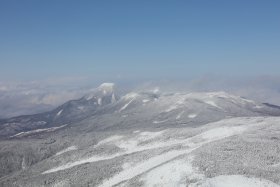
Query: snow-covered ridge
x=218, y=100
x=210, y=98
x=205, y=96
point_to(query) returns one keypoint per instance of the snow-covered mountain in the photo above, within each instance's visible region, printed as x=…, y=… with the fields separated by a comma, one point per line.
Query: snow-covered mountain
x=149, y=138
x=66, y=114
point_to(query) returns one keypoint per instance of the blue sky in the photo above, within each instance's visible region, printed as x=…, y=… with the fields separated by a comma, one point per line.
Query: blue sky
x=136, y=39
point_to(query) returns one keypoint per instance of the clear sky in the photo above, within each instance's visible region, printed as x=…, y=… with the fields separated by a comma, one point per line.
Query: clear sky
x=145, y=38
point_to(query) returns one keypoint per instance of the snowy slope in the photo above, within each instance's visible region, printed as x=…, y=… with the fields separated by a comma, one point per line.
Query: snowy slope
x=148, y=139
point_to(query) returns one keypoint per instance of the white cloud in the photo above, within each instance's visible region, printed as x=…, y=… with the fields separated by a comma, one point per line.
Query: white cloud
x=20, y=98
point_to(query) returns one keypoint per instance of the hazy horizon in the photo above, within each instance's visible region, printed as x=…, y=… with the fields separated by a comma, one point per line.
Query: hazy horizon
x=54, y=51
x=29, y=97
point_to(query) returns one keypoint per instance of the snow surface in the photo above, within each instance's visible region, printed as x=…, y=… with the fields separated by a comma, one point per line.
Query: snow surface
x=71, y=148
x=23, y=164
x=142, y=167
x=81, y=107
x=106, y=88
x=192, y=115
x=131, y=95
x=58, y=114
x=110, y=139
x=234, y=181
x=276, y=165
x=145, y=100
x=99, y=101
x=180, y=101
x=167, y=140
x=126, y=105
x=21, y=134
x=113, y=99
x=80, y=162
x=156, y=161
x=157, y=122
x=258, y=106
x=166, y=157
x=179, y=115
x=212, y=103
x=131, y=145
x=145, y=135
x=89, y=97
x=173, y=173
x=172, y=107
x=222, y=132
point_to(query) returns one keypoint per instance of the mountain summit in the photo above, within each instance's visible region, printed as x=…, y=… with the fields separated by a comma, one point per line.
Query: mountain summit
x=107, y=87
x=104, y=94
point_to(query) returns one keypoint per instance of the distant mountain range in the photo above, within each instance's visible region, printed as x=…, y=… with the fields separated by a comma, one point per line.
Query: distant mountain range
x=145, y=138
